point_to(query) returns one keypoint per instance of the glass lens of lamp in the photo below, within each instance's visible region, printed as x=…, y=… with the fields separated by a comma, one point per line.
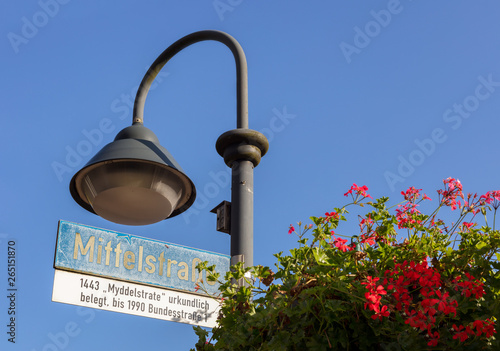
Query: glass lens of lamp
x=132, y=192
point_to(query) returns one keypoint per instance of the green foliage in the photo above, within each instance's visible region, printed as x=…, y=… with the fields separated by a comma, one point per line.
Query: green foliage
x=407, y=281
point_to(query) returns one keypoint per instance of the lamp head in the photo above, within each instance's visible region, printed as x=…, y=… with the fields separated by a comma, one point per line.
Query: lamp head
x=133, y=180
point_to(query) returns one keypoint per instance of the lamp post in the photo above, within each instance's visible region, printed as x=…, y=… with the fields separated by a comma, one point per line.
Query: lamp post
x=135, y=181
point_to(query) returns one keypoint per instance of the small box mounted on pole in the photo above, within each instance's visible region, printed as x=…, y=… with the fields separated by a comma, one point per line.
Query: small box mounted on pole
x=223, y=211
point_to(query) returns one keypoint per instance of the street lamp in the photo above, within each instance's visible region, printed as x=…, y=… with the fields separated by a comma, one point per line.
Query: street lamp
x=135, y=181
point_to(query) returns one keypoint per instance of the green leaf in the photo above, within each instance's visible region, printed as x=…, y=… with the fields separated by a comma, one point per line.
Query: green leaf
x=335, y=305
x=481, y=244
x=321, y=257
x=303, y=241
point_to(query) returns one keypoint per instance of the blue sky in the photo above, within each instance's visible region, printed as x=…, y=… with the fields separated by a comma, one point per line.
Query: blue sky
x=388, y=94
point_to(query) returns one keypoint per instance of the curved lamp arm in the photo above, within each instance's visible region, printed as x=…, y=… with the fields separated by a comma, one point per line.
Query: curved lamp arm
x=172, y=50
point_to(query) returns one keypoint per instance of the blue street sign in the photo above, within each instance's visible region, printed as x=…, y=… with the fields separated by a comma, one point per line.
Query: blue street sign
x=106, y=253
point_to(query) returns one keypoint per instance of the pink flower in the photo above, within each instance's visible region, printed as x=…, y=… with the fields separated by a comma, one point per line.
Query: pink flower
x=453, y=190
x=291, y=229
x=434, y=339
x=340, y=244
x=468, y=225
x=370, y=240
x=411, y=194
x=384, y=312
x=359, y=191
x=331, y=215
x=366, y=221
x=491, y=196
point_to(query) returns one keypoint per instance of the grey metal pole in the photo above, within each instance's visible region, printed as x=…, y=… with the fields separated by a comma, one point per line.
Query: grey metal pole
x=242, y=212
x=242, y=148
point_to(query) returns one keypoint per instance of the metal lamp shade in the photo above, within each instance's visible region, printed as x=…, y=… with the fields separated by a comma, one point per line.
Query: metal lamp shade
x=133, y=180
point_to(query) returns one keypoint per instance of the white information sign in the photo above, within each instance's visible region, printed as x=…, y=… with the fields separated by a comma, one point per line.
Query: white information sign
x=140, y=300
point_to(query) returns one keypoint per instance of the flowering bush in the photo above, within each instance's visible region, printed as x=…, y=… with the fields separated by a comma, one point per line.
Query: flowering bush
x=406, y=281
